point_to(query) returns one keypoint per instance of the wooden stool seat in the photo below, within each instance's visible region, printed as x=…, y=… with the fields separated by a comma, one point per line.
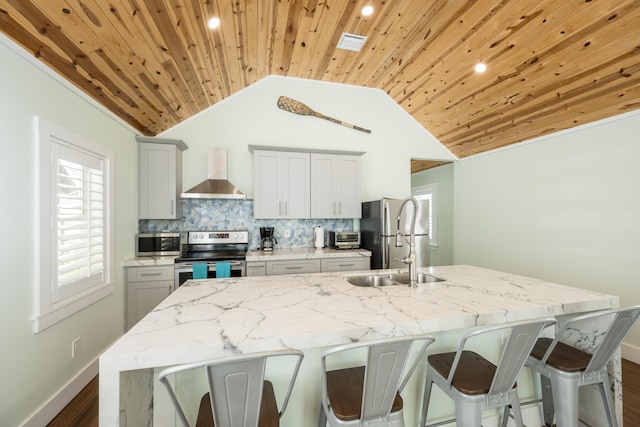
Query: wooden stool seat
x=473, y=376
x=475, y=383
x=564, y=369
x=564, y=357
x=269, y=416
x=239, y=395
x=345, y=388
x=369, y=394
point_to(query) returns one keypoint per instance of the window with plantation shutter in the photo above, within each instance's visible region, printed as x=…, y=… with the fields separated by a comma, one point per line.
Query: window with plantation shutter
x=429, y=192
x=80, y=216
x=75, y=223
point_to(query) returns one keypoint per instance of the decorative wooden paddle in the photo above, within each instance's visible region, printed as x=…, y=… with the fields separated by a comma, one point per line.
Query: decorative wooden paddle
x=297, y=107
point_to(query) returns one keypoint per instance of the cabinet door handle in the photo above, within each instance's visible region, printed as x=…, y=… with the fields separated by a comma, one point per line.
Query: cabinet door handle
x=346, y=265
x=294, y=268
x=279, y=208
x=150, y=274
x=286, y=208
x=339, y=208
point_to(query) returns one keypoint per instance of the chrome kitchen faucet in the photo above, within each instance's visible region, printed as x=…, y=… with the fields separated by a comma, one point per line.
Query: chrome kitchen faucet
x=410, y=259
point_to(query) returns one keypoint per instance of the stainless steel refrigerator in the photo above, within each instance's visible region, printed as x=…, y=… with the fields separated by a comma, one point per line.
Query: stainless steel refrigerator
x=378, y=229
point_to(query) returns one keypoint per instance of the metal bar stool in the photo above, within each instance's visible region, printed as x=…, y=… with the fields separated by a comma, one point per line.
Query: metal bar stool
x=238, y=394
x=565, y=368
x=369, y=394
x=474, y=383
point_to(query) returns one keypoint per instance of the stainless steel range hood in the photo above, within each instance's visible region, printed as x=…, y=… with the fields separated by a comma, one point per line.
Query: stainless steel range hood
x=217, y=186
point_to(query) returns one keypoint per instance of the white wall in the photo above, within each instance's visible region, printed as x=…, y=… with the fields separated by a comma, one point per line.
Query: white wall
x=35, y=367
x=252, y=117
x=565, y=208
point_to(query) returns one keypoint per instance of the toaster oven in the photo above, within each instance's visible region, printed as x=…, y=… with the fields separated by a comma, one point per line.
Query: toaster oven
x=344, y=239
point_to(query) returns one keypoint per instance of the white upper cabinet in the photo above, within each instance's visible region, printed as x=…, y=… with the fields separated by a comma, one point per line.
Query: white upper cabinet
x=282, y=183
x=159, y=178
x=335, y=186
x=305, y=184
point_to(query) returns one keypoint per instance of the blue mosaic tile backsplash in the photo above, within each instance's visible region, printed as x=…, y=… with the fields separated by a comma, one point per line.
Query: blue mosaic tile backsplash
x=222, y=214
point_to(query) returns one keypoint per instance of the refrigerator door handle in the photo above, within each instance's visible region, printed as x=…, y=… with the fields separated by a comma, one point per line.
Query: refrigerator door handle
x=384, y=242
x=386, y=231
x=386, y=227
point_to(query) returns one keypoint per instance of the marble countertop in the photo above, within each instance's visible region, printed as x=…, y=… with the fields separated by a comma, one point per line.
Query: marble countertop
x=304, y=253
x=144, y=261
x=210, y=317
x=219, y=317
x=278, y=254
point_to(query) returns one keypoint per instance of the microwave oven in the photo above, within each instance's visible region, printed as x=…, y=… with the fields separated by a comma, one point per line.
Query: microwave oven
x=158, y=244
x=344, y=239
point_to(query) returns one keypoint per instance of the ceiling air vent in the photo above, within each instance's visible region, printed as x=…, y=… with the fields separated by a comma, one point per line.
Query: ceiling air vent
x=351, y=42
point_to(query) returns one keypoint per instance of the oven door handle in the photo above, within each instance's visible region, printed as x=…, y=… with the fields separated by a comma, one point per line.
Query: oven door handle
x=183, y=268
x=233, y=265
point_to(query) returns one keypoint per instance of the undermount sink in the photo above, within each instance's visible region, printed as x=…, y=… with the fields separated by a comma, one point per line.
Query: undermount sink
x=376, y=280
x=403, y=278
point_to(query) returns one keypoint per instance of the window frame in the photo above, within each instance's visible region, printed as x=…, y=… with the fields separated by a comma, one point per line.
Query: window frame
x=430, y=190
x=51, y=305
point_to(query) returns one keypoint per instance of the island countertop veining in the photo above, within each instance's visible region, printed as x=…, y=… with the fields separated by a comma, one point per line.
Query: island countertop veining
x=209, y=318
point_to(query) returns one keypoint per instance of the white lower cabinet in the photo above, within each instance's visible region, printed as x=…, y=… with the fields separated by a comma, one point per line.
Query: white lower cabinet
x=293, y=266
x=315, y=265
x=256, y=268
x=146, y=288
x=345, y=264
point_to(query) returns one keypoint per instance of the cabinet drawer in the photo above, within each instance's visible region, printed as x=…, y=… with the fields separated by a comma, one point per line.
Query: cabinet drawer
x=293, y=267
x=149, y=274
x=345, y=264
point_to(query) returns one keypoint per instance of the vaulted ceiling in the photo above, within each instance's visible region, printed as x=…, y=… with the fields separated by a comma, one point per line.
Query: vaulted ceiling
x=552, y=64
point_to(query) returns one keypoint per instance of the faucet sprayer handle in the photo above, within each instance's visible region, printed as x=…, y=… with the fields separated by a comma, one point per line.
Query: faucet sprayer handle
x=398, y=242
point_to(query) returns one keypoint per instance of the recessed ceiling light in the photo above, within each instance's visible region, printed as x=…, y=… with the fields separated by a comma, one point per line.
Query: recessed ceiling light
x=367, y=10
x=480, y=67
x=213, y=23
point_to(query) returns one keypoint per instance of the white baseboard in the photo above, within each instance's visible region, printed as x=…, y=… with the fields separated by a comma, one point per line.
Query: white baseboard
x=51, y=408
x=630, y=353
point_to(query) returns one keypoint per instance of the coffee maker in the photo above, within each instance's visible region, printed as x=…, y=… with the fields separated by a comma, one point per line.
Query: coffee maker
x=267, y=240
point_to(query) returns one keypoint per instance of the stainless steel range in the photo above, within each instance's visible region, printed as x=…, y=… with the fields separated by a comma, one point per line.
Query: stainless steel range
x=212, y=247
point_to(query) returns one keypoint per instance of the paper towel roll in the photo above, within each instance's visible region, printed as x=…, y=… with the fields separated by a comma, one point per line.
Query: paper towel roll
x=318, y=234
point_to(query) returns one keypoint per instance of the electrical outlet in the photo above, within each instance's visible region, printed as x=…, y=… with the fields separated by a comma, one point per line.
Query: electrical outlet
x=75, y=347
x=287, y=233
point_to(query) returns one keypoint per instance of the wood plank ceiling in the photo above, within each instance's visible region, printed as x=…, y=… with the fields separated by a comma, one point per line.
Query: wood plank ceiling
x=552, y=64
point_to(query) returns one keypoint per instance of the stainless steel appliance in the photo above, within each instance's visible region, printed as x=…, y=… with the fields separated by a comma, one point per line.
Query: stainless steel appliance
x=216, y=186
x=267, y=239
x=212, y=247
x=344, y=239
x=378, y=228
x=158, y=244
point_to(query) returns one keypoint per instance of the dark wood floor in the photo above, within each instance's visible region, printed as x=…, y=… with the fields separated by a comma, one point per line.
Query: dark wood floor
x=83, y=410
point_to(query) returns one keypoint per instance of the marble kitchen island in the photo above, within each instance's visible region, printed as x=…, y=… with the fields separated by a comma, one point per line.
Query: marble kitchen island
x=217, y=317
